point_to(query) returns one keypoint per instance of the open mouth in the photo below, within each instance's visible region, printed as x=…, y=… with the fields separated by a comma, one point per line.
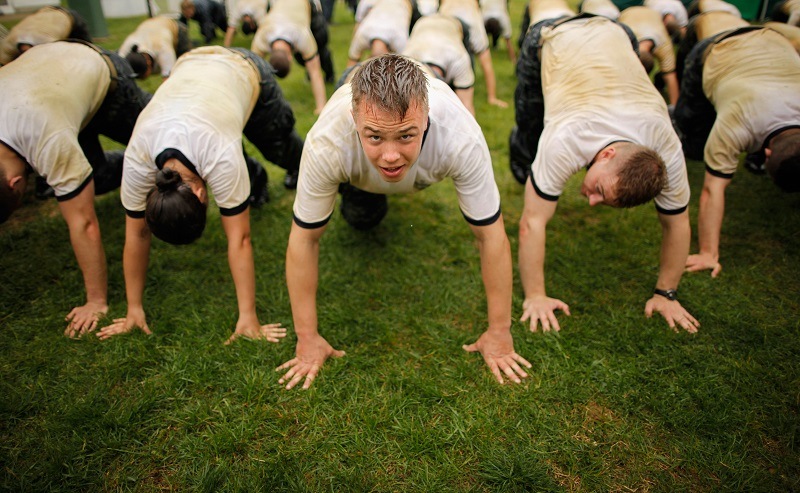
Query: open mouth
x=392, y=172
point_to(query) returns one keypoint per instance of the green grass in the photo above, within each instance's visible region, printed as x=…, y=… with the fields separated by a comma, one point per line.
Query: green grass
x=615, y=402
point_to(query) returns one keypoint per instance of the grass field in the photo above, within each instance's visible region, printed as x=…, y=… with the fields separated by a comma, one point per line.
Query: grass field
x=614, y=402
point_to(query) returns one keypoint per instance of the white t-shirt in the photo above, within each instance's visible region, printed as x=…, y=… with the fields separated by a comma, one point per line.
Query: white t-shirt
x=43, y=26
x=753, y=81
x=606, y=8
x=539, y=10
x=42, y=120
x=437, y=39
x=718, y=6
x=386, y=20
x=290, y=21
x=454, y=147
x=256, y=9
x=673, y=7
x=199, y=111
x=591, y=102
x=156, y=37
x=468, y=11
x=497, y=9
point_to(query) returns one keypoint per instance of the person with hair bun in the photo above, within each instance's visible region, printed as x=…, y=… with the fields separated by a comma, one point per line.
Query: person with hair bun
x=187, y=143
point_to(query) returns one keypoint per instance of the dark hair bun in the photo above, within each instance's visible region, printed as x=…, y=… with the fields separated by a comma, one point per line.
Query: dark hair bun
x=168, y=179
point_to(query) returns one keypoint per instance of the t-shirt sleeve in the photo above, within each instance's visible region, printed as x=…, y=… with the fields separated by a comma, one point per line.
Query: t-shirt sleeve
x=138, y=178
x=674, y=198
x=723, y=147
x=66, y=167
x=473, y=176
x=306, y=44
x=666, y=57
x=229, y=181
x=463, y=75
x=555, y=163
x=317, y=186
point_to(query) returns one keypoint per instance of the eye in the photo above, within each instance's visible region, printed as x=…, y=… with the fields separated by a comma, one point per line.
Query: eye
x=373, y=138
x=406, y=137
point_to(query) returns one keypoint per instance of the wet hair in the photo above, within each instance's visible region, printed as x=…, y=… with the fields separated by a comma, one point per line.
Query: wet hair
x=138, y=62
x=281, y=62
x=392, y=83
x=783, y=164
x=10, y=200
x=640, y=177
x=173, y=212
x=493, y=29
x=249, y=25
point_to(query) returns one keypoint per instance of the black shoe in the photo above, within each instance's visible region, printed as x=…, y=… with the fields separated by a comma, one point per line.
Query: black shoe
x=290, y=182
x=43, y=191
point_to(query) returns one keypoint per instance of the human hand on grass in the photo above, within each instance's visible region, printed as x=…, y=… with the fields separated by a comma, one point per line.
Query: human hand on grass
x=134, y=318
x=83, y=319
x=542, y=309
x=498, y=102
x=310, y=354
x=252, y=329
x=497, y=349
x=703, y=261
x=673, y=313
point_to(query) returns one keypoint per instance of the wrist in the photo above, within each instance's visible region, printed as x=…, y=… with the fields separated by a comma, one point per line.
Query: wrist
x=670, y=294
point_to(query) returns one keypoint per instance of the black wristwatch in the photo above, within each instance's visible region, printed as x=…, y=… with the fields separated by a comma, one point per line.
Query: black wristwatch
x=670, y=294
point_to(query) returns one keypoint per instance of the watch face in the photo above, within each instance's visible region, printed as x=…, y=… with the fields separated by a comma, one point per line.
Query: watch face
x=670, y=294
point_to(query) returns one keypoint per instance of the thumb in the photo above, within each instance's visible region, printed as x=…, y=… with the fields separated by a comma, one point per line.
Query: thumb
x=147, y=330
x=231, y=338
x=337, y=353
x=470, y=348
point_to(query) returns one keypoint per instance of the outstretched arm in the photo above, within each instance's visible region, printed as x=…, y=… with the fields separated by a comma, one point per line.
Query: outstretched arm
x=314, y=69
x=511, y=55
x=485, y=59
x=673, y=89
x=496, y=344
x=709, y=225
x=674, y=250
x=135, y=258
x=84, y=234
x=532, y=235
x=229, y=33
x=302, y=275
x=240, y=259
x=467, y=97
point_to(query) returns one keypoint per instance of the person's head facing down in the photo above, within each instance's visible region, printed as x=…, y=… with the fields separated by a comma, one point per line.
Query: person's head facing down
x=646, y=55
x=140, y=62
x=13, y=181
x=281, y=58
x=624, y=175
x=390, y=110
x=783, y=160
x=493, y=29
x=187, y=8
x=249, y=25
x=173, y=211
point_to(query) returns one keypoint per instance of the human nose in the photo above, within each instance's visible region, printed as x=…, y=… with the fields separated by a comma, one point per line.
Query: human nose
x=595, y=199
x=390, y=153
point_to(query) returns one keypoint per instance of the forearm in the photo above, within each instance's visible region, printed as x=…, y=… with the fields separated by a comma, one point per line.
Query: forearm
x=229, y=36
x=302, y=275
x=485, y=59
x=240, y=260
x=511, y=55
x=675, y=241
x=467, y=98
x=88, y=248
x=317, y=82
x=671, y=80
x=531, y=258
x=495, y=253
x=710, y=215
x=135, y=258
